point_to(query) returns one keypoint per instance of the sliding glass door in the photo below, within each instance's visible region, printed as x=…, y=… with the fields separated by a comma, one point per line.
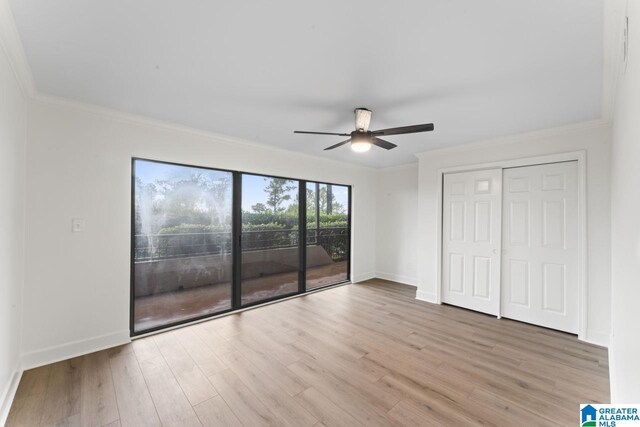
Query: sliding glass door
x=207, y=241
x=182, y=264
x=270, y=238
x=328, y=234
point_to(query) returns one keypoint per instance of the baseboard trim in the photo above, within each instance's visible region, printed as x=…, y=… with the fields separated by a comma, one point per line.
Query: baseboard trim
x=411, y=281
x=426, y=296
x=9, y=394
x=364, y=276
x=597, y=338
x=66, y=351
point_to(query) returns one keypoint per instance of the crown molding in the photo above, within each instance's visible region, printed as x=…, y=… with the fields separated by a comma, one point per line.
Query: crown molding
x=134, y=119
x=400, y=167
x=522, y=137
x=613, y=32
x=12, y=45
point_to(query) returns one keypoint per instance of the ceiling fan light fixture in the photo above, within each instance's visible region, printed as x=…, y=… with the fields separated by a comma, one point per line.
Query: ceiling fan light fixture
x=361, y=147
x=360, y=144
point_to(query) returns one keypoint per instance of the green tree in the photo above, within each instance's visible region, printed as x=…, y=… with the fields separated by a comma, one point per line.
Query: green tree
x=311, y=205
x=324, y=201
x=260, y=208
x=278, y=192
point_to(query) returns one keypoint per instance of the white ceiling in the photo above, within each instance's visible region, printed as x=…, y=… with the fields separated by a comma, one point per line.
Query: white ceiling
x=258, y=70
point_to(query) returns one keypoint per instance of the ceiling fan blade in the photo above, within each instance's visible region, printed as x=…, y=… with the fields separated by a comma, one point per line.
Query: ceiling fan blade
x=337, y=145
x=404, y=129
x=382, y=143
x=321, y=133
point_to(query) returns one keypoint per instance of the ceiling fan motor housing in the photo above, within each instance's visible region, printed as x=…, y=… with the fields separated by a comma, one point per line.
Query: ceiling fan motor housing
x=363, y=118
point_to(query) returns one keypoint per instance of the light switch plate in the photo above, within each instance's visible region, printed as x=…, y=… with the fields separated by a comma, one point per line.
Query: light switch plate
x=77, y=225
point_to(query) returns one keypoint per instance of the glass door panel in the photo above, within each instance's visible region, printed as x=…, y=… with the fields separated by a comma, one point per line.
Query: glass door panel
x=182, y=254
x=269, y=238
x=328, y=234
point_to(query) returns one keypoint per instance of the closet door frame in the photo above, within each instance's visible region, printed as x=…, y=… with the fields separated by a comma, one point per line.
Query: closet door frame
x=579, y=156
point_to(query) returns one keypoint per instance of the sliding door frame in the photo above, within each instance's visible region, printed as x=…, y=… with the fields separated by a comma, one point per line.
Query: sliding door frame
x=302, y=236
x=236, y=236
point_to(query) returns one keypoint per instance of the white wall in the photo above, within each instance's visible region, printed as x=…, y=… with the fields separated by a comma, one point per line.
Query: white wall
x=78, y=166
x=624, y=351
x=13, y=121
x=595, y=139
x=396, y=224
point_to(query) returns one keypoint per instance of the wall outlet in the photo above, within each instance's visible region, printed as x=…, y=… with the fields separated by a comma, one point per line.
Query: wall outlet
x=77, y=225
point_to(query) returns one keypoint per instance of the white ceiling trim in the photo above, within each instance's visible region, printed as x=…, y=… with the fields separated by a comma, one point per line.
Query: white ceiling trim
x=135, y=119
x=614, y=13
x=522, y=137
x=12, y=45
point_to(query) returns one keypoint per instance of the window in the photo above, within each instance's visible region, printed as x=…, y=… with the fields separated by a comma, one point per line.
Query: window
x=207, y=241
x=270, y=238
x=182, y=258
x=328, y=234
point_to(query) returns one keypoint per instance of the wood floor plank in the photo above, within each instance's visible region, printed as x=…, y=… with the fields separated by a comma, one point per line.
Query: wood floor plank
x=409, y=415
x=29, y=400
x=276, y=371
x=135, y=405
x=98, y=405
x=207, y=333
x=62, y=398
x=441, y=407
x=275, y=398
x=352, y=400
x=201, y=354
x=243, y=402
x=328, y=413
x=172, y=405
x=513, y=411
x=540, y=400
x=189, y=375
x=145, y=348
x=364, y=354
x=276, y=345
x=216, y=413
x=34, y=382
x=26, y=411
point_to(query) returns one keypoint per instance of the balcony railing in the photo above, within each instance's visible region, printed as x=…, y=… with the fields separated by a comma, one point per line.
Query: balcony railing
x=165, y=246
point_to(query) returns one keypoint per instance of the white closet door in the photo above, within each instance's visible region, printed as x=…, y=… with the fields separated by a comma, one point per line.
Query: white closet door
x=471, y=240
x=540, y=262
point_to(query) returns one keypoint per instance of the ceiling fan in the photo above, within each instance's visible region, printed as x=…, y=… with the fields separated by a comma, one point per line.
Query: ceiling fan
x=362, y=138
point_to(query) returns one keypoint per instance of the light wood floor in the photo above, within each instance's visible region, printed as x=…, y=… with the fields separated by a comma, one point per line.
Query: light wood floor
x=356, y=355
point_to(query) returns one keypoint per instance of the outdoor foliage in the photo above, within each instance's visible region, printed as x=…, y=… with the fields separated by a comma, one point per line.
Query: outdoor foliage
x=189, y=214
x=178, y=206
